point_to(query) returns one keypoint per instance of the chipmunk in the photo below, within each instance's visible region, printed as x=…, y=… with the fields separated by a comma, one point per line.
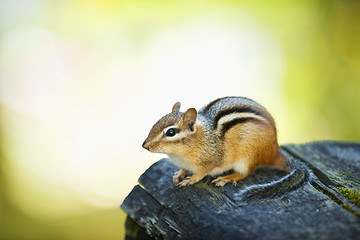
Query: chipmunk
x=230, y=133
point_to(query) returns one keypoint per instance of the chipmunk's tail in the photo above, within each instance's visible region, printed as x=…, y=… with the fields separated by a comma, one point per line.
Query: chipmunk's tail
x=298, y=176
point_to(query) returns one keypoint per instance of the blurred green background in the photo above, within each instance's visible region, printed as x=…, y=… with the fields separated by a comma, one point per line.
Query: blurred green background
x=82, y=82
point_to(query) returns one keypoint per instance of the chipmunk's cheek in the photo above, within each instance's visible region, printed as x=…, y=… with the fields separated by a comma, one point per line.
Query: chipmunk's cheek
x=156, y=149
x=153, y=149
x=166, y=150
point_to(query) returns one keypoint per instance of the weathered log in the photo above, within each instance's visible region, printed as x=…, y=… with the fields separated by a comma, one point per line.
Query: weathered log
x=317, y=208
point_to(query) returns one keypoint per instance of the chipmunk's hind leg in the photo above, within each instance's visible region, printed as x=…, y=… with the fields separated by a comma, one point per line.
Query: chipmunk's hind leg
x=221, y=181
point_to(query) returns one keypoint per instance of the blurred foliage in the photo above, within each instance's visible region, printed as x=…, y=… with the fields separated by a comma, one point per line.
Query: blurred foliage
x=320, y=42
x=319, y=39
x=324, y=70
x=94, y=224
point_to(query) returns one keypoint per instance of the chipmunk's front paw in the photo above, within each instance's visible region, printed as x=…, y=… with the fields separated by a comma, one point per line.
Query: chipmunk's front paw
x=187, y=181
x=179, y=175
x=191, y=180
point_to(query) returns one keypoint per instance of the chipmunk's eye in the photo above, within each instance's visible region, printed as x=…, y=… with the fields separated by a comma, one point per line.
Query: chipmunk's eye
x=172, y=132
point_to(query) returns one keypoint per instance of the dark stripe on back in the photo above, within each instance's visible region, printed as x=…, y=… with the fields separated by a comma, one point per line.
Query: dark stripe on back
x=244, y=109
x=236, y=121
x=207, y=108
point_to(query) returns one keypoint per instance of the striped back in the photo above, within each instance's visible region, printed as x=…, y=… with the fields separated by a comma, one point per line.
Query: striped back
x=227, y=112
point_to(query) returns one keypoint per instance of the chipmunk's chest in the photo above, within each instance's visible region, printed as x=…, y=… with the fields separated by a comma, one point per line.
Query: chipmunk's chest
x=182, y=162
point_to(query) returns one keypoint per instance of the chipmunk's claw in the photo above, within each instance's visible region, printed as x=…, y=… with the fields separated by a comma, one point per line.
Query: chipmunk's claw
x=191, y=180
x=187, y=181
x=219, y=182
x=233, y=178
x=179, y=175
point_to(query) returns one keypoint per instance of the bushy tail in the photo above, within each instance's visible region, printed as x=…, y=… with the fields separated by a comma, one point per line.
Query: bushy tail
x=298, y=176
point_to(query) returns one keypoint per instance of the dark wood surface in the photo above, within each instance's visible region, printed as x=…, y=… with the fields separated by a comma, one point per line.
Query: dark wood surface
x=313, y=209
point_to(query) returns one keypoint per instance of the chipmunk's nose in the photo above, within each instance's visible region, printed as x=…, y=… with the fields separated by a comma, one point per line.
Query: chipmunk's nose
x=145, y=145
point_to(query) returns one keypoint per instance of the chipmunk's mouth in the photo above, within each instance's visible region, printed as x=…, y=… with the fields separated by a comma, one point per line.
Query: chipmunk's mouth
x=146, y=145
x=150, y=147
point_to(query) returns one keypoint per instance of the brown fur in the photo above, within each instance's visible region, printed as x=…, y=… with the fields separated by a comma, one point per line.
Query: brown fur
x=198, y=147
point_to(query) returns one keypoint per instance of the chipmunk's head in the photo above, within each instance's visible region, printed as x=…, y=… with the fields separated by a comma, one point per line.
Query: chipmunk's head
x=173, y=132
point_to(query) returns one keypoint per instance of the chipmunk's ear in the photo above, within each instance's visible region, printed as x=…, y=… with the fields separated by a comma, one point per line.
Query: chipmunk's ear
x=176, y=107
x=189, y=118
